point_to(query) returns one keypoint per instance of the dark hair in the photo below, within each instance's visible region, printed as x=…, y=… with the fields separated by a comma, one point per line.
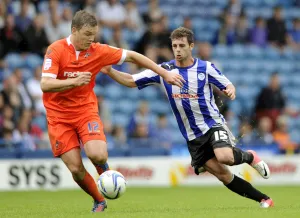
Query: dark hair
x=82, y=18
x=183, y=32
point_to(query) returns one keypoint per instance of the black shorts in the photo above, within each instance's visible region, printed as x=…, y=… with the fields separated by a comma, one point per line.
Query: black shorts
x=202, y=148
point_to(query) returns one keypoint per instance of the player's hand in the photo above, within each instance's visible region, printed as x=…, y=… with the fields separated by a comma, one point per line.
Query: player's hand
x=174, y=79
x=83, y=79
x=106, y=69
x=230, y=92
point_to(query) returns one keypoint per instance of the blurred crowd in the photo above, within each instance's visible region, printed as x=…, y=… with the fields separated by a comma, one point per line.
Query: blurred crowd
x=28, y=27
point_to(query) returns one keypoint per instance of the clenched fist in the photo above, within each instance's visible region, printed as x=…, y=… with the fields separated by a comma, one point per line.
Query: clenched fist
x=83, y=79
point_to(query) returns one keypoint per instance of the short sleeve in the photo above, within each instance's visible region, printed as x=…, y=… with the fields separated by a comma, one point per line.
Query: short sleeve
x=110, y=55
x=216, y=77
x=51, y=62
x=146, y=78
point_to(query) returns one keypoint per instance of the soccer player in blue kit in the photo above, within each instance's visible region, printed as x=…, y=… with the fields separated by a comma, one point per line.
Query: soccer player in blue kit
x=210, y=142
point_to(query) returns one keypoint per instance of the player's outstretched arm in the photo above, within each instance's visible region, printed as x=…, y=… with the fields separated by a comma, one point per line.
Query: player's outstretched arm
x=120, y=77
x=49, y=84
x=141, y=60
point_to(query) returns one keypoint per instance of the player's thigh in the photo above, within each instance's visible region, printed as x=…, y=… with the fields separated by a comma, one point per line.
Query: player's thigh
x=63, y=138
x=222, y=145
x=219, y=170
x=90, y=128
x=96, y=150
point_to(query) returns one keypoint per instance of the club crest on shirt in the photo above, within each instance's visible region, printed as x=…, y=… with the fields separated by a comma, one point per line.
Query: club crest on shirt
x=87, y=55
x=201, y=76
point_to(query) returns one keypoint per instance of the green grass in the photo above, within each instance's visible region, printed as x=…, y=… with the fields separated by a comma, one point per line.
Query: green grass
x=183, y=202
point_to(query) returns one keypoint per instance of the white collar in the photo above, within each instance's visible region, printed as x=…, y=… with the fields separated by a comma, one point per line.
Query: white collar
x=69, y=40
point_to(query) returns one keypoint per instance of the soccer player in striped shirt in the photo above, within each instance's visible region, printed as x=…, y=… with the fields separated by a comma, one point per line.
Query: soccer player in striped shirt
x=210, y=142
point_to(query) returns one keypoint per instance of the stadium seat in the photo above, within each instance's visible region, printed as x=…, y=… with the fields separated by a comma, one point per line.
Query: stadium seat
x=120, y=119
x=14, y=60
x=32, y=61
x=45, y=153
x=126, y=107
x=220, y=51
x=6, y=153
x=142, y=152
x=238, y=51
x=116, y=152
x=149, y=93
x=113, y=91
x=253, y=51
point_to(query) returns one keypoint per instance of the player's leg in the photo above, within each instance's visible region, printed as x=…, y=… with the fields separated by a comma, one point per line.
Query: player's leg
x=226, y=153
x=236, y=184
x=90, y=130
x=96, y=151
x=65, y=144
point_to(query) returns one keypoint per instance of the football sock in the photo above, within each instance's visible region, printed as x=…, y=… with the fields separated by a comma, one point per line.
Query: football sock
x=245, y=189
x=101, y=168
x=241, y=156
x=89, y=186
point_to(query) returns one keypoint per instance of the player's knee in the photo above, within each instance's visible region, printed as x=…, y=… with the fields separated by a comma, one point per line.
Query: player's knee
x=226, y=159
x=76, y=170
x=99, y=158
x=224, y=176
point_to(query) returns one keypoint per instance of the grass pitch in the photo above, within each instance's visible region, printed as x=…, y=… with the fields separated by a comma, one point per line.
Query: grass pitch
x=183, y=202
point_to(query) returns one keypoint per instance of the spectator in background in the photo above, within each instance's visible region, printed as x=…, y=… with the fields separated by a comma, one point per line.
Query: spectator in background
x=258, y=34
x=7, y=122
x=22, y=19
x=2, y=14
x=276, y=29
x=111, y=13
x=155, y=42
x=245, y=134
x=162, y=132
x=12, y=97
x=119, y=137
x=21, y=134
x=294, y=34
x=282, y=137
x=140, y=122
x=105, y=114
x=235, y=9
x=133, y=19
x=26, y=99
x=34, y=88
x=11, y=37
x=270, y=101
x=52, y=28
x=263, y=133
x=65, y=22
x=226, y=34
x=89, y=6
x=117, y=40
x=242, y=30
x=154, y=12
x=36, y=36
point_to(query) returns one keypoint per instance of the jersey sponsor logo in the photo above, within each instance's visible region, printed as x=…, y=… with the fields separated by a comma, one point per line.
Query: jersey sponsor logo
x=185, y=93
x=201, y=76
x=47, y=64
x=73, y=74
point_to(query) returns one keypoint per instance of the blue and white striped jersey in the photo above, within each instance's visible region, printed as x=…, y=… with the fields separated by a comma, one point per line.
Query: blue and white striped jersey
x=193, y=105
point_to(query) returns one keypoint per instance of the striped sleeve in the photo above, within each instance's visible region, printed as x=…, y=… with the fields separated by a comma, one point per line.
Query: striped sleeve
x=146, y=78
x=216, y=78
